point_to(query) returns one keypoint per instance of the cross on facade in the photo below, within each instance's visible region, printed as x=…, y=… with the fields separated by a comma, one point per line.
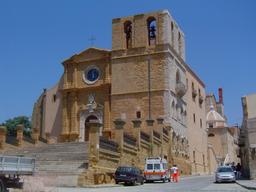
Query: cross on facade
x=92, y=39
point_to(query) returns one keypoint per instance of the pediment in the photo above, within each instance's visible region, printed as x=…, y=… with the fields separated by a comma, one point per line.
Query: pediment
x=91, y=53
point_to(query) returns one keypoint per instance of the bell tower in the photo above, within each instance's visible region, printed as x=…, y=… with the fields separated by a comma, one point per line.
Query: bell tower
x=148, y=51
x=147, y=29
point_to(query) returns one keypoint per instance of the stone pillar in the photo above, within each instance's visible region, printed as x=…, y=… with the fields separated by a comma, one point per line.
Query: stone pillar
x=170, y=130
x=94, y=141
x=160, y=121
x=64, y=133
x=150, y=128
x=47, y=137
x=107, y=127
x=2, y=136
x=36, y=135
x=119, y=132
x=136, y=131
x=20, y=134
x=73, y=135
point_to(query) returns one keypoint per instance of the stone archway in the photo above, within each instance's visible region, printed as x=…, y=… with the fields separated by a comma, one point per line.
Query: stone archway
x=86, y=130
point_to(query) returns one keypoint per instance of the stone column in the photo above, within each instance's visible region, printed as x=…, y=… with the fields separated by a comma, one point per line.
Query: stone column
x=160, y=121
x=64, y=133
x=94, y=141
x=119, y=132
x=136, y=131
x=47, y=137
x=107, y=127
x=150, y=128
x=2, y=136
x=73, y=135
x=36, y=135
x=20, y=134
x=170, y=130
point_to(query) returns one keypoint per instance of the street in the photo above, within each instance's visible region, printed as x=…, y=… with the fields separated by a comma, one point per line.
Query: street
x=199, y=183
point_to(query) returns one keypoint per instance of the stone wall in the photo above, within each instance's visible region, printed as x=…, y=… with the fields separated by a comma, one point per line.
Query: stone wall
x=20, y=141
x=131, y=150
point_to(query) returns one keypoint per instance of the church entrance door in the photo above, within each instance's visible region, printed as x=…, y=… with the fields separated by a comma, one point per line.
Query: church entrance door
x=86, y=131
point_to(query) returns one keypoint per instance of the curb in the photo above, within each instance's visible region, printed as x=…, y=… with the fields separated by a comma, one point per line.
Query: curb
x=244, y=186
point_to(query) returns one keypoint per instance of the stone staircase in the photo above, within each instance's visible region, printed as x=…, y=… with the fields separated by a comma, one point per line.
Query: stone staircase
x=69, y=160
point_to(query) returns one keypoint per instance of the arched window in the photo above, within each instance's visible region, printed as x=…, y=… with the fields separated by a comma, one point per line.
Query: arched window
x=211, y=135
x=151, y=30
x=128, y=33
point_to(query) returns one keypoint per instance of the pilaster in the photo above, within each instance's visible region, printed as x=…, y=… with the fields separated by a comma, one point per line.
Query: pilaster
x=107, y=127
x=94, y=140
x=20, y=134
x=47, y=136
x=150, y=128
x=64, y=133
x=119, y=132
x=2, y=136
x=170, y=130
x=73, y=135
x=136, y=131
x=36, y=135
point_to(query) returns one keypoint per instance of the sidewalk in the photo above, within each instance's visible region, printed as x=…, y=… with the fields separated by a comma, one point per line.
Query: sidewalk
x=248, y=184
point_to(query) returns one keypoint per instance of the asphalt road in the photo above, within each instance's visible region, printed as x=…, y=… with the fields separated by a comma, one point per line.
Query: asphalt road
x=199, y=183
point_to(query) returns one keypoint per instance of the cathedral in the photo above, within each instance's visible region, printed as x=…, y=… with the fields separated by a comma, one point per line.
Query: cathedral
x=144, y=76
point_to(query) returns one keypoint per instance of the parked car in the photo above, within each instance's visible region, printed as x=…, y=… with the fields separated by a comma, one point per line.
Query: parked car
x=128, y=175
x=225, y=174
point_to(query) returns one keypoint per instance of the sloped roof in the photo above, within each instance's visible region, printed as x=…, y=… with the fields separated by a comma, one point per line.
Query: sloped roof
x=88, y=54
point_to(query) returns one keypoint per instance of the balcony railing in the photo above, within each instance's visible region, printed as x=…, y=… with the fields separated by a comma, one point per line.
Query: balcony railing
x=180, y=89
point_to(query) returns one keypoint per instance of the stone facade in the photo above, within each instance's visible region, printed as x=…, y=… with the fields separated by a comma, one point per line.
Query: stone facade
x=247, y=140
x=222, y=139
x=141, y=81
x=197, y=124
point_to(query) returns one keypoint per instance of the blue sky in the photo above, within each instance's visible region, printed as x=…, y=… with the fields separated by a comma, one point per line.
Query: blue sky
x=37, y=35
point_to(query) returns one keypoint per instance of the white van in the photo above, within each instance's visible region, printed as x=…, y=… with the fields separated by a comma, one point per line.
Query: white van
x=156, y=169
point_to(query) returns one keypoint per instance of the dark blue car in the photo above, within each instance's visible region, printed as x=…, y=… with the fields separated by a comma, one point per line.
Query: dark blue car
x=129, y=175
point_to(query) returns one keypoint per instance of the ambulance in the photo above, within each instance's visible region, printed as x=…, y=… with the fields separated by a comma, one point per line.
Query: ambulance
x=156, y=169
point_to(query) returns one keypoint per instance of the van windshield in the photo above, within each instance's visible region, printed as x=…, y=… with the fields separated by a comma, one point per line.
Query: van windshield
x=149, y=166
x=156, y=166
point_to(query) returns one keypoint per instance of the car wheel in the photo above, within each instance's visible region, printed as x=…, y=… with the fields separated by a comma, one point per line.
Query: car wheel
x=169, y=180
x=117, y=182
x=164, y=180
x=134, y=183
x=142, y=182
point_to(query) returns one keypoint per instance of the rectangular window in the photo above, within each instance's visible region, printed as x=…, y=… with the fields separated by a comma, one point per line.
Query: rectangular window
x=54, y=98
x=201, y=123
x=210, y=125
x=138, y=115
x=194, y=117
